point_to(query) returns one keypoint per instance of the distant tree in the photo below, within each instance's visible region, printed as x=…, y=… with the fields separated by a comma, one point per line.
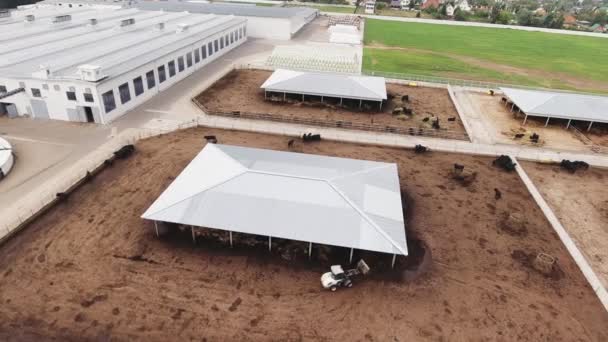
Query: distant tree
x=380, y=5
x=504, y=17
x=554, y=20
x=524, y=17
x=459, y=15
x=495, y=13
x=601, y=17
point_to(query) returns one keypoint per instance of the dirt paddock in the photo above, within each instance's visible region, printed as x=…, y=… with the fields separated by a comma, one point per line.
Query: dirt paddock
x=240, y=91
x=580, y=201
x=91, y=269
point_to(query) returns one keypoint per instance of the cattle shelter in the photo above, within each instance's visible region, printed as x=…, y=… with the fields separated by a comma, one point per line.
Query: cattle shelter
x=325, y=86
x=558, y=105
x=310, y=198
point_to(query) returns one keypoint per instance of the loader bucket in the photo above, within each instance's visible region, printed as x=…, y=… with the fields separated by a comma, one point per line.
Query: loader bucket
x=362, y=267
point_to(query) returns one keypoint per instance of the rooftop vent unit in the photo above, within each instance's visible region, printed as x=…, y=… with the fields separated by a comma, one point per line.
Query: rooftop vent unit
x=91, y=73
x=127, y=22
x=92, y=21
x=62, y=18
x=44, y=71
x=159, y=26
x=182, y=27
x=29, y=18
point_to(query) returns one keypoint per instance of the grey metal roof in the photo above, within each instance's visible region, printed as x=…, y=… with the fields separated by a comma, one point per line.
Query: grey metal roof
x=559, y=105
x=62, y=47
x=321, y=84
x=327, y=200
x=245, y=10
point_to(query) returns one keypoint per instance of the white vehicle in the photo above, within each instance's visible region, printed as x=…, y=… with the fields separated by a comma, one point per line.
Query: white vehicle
x=340, y=278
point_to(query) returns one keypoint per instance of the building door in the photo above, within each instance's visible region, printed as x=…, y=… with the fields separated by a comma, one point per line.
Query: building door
x=8, y=109
x=88, y=112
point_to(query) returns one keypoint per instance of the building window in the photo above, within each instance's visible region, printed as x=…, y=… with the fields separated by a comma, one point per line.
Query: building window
x=125, y=95
x=189, y=59
x=210, y=48
x=240, y=32
x=45, y=86
x=221, y=42
x=197, y=56
x=180, y=63
x=216, y=46
x=57, y=87
x=108, y=101
x=2, y=89
x=150, y=79
x=138, y=86
x=171, y=68
x=161, y=74
x=231, y=37
x=71, y=95
x=88, y=97
x=36, y=92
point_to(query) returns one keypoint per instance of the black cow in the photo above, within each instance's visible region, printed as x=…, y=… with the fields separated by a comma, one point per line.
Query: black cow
x=420, y=149
x=211, y=139
x=311, y=137
x=497, y=194
x=452, y=119
x=573, y=166
x=505, y=163
x=124, y=152
x=405, y=98
x=534, y=138
x=291, y=143
x=519, y=135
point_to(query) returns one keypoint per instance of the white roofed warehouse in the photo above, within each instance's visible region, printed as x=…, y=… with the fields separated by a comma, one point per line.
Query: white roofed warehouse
x=268, y=22
x=557, y=105
x=326, y=86
x=93, y=63
x=315, y=199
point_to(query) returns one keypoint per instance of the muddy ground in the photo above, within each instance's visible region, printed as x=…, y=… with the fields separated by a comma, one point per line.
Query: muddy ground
x=91, y=269
x=504, y=125
x=240, y=91
x=580, y=201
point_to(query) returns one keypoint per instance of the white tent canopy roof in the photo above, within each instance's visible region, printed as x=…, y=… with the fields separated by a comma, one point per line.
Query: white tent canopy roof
x=559, y=105
x=327, y=200
x=320, y=84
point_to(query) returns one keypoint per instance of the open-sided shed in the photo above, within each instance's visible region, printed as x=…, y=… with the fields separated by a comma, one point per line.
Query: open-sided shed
x=311, y=198
x=558, y=105
x=325, y=85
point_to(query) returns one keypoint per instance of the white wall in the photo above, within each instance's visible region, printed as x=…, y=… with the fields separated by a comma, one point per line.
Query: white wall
x=269, y=28
x=115, y=82
x=57, y=102
x=59, y=106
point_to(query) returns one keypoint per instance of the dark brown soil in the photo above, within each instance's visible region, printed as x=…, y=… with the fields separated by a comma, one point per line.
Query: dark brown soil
x=105, y=276
x=240, y=91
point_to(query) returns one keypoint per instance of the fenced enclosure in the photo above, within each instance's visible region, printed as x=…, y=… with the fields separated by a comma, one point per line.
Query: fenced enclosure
x=402, y=130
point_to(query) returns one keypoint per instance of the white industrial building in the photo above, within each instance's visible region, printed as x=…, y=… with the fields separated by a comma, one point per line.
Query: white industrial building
x=280, y=23
x=92, y=63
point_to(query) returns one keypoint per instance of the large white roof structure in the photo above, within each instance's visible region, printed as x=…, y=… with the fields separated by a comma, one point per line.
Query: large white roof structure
x=327, y=200
x=568, y=106
x=238, y=9
x=117, y=40
x=322, y=84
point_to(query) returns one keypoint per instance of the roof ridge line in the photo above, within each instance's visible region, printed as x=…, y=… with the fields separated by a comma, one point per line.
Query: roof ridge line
x=545, y=102
x=198, y=193
x=359, y=172
x=245, y=169
x=369, y=220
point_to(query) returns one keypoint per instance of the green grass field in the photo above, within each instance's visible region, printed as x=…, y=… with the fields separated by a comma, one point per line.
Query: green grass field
x=513, y=56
